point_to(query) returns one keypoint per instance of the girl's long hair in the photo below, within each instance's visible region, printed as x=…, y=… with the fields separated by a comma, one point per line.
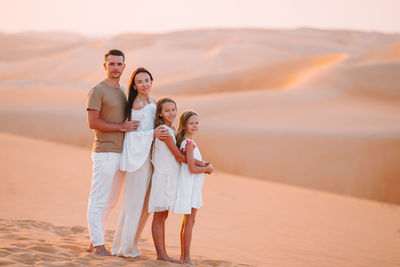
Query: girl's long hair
x=158, y=119
x=133, y=92
x=183, y=120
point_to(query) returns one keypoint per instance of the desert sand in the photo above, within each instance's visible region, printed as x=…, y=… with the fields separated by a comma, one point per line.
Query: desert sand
x=303, y=127
x=244, y=222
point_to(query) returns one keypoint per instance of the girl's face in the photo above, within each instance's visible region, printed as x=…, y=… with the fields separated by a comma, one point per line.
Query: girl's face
x=143, y=83
x=168, y=113
x=192, y=125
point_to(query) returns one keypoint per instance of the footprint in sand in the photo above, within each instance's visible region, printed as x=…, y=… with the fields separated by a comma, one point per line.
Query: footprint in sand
x=4, y=253
x=70, y=240
x=73, y=248
x=46, y=249
x=22, y=238
x=77, y=229
x=6, y=229
x=5, y=263
x=25, y=258
x=12, y=250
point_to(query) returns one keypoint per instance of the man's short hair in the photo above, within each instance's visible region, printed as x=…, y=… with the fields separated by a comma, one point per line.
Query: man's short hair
x=114, y=52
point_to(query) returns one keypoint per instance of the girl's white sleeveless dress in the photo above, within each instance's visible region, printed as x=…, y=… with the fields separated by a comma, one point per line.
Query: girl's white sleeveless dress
x=188, y=193
x=165, y=176
x=135, y=160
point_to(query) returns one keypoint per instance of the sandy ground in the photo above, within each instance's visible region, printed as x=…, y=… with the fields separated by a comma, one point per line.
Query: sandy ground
x=244, y=222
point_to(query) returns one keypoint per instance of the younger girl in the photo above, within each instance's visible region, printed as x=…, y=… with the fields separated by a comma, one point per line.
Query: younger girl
x=190, y=181
x=165, y=175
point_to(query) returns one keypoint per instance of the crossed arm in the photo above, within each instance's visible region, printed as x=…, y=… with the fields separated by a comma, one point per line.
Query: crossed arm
x=179, y=155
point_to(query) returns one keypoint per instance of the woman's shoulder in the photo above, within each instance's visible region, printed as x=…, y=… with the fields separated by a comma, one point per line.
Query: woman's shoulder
x=152, y=100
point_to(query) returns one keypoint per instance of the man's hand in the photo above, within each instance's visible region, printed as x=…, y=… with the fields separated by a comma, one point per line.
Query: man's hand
x=206, y=163
x=128, y=126
x=161, y=133
x=210, y=168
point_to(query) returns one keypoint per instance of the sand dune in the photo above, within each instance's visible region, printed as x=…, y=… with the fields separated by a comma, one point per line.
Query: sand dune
x=282, y=75
x=374, y=80
x=185, y=54
x=330, y=146
x=386, y=53
x=244, y=222
x=34, y=45
x=324, y=103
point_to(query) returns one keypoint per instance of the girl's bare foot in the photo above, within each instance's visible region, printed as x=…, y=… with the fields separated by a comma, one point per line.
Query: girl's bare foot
x=100, y=251
x=90, y=248
x=166, y=258
x=188, y=261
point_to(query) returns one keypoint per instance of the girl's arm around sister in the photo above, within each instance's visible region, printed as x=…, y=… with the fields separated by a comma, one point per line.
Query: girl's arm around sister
x=190, y=161
x=179, y=155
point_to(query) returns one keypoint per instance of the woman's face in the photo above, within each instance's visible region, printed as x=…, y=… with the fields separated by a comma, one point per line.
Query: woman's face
x=143, y=83
x=168, y=112
x=192, y=125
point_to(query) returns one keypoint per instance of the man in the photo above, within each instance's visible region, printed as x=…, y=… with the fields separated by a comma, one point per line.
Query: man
x=106, y=115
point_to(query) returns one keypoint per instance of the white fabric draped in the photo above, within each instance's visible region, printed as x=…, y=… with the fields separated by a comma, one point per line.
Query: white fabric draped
x=136, y=161
x=137, y=144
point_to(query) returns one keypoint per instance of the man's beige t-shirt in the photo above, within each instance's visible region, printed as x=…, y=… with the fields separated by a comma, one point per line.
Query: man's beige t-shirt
x=111, y=102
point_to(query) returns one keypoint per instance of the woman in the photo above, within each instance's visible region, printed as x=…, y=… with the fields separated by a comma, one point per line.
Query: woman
x=135, y=160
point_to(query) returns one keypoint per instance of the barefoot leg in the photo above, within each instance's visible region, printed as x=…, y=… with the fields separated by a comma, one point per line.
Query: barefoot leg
x=186, y=236
x=90, y=248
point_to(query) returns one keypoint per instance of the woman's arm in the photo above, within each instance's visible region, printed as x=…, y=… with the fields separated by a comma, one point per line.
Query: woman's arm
x=190, y=161
x=179, y=155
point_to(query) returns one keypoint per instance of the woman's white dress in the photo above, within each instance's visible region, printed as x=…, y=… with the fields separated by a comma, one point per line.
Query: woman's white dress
x=188, y=193
x=135, y=160
x=165, y=176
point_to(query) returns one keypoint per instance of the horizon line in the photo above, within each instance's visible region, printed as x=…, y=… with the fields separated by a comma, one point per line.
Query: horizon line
x=107, y=35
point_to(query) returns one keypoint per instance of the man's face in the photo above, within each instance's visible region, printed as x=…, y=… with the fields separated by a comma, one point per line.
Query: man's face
x=114, y=66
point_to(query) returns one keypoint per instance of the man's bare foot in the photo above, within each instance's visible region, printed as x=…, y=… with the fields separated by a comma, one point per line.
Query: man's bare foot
x=166, y=258
x=188, y=261
x=101, y=251
x=90, y=248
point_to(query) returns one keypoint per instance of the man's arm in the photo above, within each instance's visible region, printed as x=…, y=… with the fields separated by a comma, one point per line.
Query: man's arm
x=97, y=123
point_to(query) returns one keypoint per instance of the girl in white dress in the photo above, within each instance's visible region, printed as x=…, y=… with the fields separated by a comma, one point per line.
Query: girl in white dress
x=190, y=181
x=135, y=160
x=165, y=158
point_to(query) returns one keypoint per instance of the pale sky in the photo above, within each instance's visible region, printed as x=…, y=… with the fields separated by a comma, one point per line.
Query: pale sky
x=101, y=17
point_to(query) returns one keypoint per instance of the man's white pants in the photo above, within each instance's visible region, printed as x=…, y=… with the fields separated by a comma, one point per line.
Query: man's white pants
x=107, y=180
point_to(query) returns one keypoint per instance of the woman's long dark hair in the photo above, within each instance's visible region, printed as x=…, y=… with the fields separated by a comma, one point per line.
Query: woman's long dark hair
x=133, y=92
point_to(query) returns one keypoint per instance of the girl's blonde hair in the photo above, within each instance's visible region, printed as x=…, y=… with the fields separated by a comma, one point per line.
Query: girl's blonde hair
x=183, y=120
x=158, y=119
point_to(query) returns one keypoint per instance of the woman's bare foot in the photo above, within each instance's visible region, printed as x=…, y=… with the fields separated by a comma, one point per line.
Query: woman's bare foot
x=166, y=258
x=101, y=251
x=90, y=248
